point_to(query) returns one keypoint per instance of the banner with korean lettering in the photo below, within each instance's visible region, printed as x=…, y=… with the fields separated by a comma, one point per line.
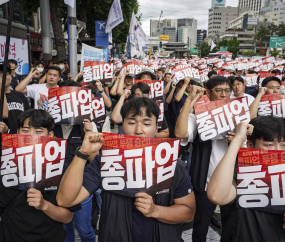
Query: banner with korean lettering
x=132, y=164
x=29, y=161
x=251, y=80
x=135, y=67
x=70, y=105
x=18, y=51
x=180, y=74
x=261, y=180
x=89, y=53
x=156, y=89
x=272, y=105
x=98, y=114
x=216, y=118
x=98, y=70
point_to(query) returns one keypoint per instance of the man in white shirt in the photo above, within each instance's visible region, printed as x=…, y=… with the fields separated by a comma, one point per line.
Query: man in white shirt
x=238, y=90
x=39, y=92
x=206, y=155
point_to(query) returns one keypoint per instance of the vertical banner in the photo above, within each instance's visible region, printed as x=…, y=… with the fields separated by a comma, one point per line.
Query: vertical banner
x=101, y=37
x=132, y=164
x=18, y=51
x=90, y=53
x=156, y=89
x=261, y=180
x=32, y=162
x=216, y=118
x=69, y=105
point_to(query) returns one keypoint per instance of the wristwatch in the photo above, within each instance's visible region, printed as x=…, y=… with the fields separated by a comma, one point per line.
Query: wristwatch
x=102, y=90
x=80, y=155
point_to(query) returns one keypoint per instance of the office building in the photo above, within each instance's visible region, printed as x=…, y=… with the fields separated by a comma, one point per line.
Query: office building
x=188, y=34
x=201, y=35
x=170, y=31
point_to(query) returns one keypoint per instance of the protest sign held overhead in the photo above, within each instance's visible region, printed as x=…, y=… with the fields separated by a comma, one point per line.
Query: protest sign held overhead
x=272, y=105
x=70, y=105
x=180, y=74
x=251, y=79
x=98, y=70
x=135, y=67
x=98, y=114
x=260, y=179
x=216, y=118
x=32, y=161
x=132, y=164
x=156, y=89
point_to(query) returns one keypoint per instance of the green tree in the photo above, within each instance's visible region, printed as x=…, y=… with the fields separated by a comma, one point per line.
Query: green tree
x=205, y=49
x=249, y=53
x=272, y=29
x=233, y=45
x=274, y=52
x=281, y=30
x=262, y=34
x=223, y=42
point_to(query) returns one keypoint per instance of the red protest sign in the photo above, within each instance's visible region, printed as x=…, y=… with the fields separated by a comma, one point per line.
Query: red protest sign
x=69, y=105
x=135, y=67
x=98, y=70
x=251, y=79
x=131, y=164
x=32, y=161
x=180, y=74
x=260, y=179
x=272, y=105
x=216, y=118
x=161, y=114
x=225, y=73
x=98, y=110
x=156, y=88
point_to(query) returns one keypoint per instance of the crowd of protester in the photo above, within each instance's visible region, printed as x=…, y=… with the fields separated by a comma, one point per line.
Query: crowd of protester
x=205, y=179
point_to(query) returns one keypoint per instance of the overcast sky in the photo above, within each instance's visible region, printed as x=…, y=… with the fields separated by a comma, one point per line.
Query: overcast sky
x=174, y=9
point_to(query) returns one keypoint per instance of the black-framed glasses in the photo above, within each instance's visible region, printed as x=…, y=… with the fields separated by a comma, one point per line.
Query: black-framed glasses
x=194, y=83
x=220, y=90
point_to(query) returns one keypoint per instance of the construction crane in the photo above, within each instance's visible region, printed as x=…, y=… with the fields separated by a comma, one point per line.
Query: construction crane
x=158, y=24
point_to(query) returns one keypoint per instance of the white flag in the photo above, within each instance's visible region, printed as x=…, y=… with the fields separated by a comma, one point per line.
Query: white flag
x=115, y=16
x=110, y=39
x=137, y=35
x=3, y=1
x=212, y=45
x=69, y=2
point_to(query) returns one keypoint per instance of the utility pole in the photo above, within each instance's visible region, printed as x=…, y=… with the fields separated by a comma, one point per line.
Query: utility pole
x=46, y=34
x=72, y=41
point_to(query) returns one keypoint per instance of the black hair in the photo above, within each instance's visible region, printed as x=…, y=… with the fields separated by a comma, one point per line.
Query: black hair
x=68, y=83
x=210, y=73
x=232, y=79
x=79, y=62
x=38, y=118
x=56, y=68
x=135, y=105
x=217, y=80
x=214, y=67
x=51, y=60
x=277, y=71
x=269, y=79
x=39, y=63
x=268, y=128
x=62, y=61
x=92, y=90
x=13, y=61
x=142, y=86
x=168, y=74
x=238, y=78
x=161, y=70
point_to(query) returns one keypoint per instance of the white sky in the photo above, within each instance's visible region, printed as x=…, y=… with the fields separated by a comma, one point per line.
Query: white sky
x=174, y=9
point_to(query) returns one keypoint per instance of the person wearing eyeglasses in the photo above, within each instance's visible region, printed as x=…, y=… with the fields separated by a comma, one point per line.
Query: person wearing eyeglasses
x=205, y=155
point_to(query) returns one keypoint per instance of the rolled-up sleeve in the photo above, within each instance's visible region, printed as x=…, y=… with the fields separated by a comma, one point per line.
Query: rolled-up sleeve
x=192, y=130
x=92, y=175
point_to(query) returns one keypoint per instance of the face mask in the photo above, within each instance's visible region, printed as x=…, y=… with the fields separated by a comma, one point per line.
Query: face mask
x=61, y=67
x=40, y=69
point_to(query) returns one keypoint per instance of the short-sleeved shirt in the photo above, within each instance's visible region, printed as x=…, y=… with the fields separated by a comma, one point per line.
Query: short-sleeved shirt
x=142, y=226
x=17, y=103
x=25, y=223
x=39, y=92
